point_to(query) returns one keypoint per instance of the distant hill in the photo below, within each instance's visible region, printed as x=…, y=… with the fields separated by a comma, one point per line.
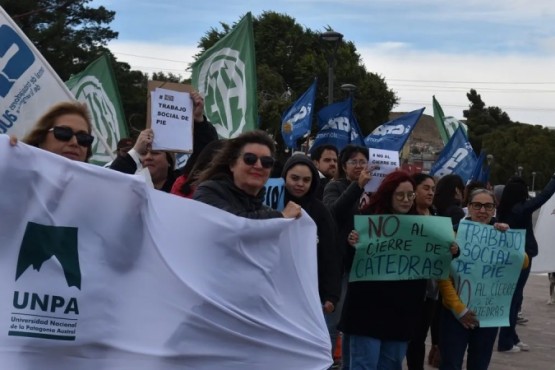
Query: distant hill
x=425, y=130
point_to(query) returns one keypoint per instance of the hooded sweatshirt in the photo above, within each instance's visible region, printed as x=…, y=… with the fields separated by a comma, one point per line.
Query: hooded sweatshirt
x=329, y=256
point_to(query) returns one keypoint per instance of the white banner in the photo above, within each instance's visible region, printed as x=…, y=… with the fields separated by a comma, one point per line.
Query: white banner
x=28, y=85
x=545, y=235
x=100, y=272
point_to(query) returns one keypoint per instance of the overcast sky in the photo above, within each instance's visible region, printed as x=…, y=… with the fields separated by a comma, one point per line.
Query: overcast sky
x=505, y=49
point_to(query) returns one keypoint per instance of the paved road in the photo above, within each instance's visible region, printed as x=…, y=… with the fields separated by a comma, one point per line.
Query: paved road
x=539, y=332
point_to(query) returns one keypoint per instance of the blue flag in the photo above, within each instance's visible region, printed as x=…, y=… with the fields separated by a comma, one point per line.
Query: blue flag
x=393, y=135
x=337, y=126
x=481, y=170
x=457, y=157
x=296, y=122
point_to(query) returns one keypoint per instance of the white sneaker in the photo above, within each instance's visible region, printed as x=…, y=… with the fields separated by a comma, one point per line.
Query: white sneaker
x=515, y=349
x=523, y=346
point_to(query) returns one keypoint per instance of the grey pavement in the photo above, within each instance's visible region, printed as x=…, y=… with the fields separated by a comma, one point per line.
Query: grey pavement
x=538, y=332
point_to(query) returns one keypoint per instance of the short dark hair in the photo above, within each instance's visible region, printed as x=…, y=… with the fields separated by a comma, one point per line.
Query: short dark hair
x=316, y=153
x=347, y=153
x=230, y=151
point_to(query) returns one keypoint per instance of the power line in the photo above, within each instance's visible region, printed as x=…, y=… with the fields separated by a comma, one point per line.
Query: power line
x=466, y=106
x=473, y=82
x=154, y=58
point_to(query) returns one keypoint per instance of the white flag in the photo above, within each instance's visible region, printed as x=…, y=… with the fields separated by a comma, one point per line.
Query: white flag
x=28, y=85
x=545, y=234
x=100, y=272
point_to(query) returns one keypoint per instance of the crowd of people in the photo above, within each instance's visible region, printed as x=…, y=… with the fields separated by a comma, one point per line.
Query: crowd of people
x=381, y=322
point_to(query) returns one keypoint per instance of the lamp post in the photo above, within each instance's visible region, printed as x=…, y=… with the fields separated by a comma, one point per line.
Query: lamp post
x=489, y=158
x=533, y=180
x=520, y=168
x=334, y=38
x=349, y=88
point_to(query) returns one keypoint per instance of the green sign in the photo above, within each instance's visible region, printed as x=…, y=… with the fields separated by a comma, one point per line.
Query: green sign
x=486, y=272
x=402, y=247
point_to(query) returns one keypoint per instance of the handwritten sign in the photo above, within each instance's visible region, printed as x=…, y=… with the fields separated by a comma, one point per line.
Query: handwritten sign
x=402, y=247
x=487, y=270
x=275, y=193
x=171, y=120
x=386, y=161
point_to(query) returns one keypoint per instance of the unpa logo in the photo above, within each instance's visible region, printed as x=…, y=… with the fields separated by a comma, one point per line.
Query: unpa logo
x=39, y=315
x=15, y=58
x=104, y=115
x=391, y=130
x=222, y=80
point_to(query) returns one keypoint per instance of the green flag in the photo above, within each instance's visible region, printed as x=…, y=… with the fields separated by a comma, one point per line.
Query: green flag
x=446, y=125
x=96, y=86
x=226, y=75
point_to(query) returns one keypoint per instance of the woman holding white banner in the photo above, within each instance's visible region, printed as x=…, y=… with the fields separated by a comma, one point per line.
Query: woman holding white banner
x=65, y=129
x=235, y=180
x=460, y=328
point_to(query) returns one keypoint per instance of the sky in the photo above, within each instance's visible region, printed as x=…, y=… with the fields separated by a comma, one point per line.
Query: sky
x=505, y=49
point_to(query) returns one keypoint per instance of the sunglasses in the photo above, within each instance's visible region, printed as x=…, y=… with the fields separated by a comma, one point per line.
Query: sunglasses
x=64, y=133
x=478, y=206
x=266, y=161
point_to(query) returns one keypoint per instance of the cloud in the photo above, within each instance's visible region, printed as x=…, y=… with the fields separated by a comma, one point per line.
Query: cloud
x=515, y=83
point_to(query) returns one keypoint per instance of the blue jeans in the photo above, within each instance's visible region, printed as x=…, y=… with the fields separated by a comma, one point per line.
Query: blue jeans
x=507, y=335
x=369, y=353
x=455, y=339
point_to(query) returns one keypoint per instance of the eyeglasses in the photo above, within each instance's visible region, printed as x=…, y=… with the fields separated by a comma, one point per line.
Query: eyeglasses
x=250, y=159
x=360, y=162
x=478, y=206
x=401, y=195
x=64, y=133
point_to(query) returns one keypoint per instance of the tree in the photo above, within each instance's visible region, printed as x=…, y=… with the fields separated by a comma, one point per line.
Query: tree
x=288, y=59
x=68, y=33
x=482, y=120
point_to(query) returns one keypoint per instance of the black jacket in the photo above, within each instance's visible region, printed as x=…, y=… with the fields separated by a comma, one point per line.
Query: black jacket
x=521, y=216
x=329, y=255
x=341, y=197
x=222, y=193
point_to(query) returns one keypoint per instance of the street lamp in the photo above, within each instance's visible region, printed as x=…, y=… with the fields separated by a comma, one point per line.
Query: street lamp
x=533, y=180
x=520, y=168
x=334, y=38
x=349, y=88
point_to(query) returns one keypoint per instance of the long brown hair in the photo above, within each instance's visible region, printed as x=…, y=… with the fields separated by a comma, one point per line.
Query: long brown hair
x=38, y=133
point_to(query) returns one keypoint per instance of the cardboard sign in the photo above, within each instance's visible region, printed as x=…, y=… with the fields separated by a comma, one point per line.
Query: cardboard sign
x=402, y=247
x=487, y=270
x=384, y=162
x=170, y=115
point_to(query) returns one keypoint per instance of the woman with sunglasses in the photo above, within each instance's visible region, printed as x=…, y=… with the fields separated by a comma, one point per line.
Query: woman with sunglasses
x=516, y=209
x=380, y=317
x=65, y=129
x=235, y=180
x=460, y=329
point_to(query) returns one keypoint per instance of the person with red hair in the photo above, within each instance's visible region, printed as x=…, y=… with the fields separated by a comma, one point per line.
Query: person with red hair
x=381, y=316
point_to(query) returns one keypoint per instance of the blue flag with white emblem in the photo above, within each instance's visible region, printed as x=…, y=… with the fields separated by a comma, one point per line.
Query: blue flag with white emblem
x=457, y=157
x=337, y=126
x=393, y=135
x=296, y=122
